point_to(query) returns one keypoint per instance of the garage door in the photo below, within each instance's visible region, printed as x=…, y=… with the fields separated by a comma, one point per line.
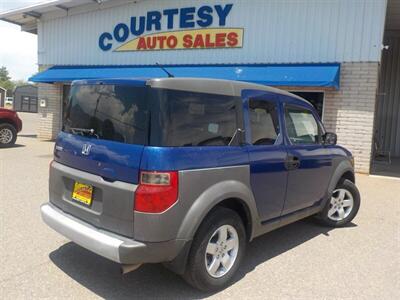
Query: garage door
x=29, y=104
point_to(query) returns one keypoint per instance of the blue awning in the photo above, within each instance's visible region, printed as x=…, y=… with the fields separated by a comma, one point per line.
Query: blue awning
x=294, y=75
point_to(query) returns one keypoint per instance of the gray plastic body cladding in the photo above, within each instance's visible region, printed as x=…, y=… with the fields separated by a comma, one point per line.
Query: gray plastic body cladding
x=109, y=245
x=112, y=206
x=199, y=191
x=341, y=165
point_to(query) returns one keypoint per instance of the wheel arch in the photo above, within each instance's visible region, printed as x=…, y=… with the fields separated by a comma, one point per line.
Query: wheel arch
x=239, y=198
x=231, y=194
x=349, y=175
x=241, y=208
x=344, y=170
x=8, y=121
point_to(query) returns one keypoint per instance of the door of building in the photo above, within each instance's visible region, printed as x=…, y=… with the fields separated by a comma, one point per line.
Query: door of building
x=386, y=142
x=28, y=104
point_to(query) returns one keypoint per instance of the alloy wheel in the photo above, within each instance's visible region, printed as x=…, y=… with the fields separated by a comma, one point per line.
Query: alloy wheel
x=6, y=136
x=221, y=251
x=341, y=205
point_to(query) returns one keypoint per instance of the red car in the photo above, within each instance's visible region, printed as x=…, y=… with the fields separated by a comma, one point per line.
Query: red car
x=10, y=125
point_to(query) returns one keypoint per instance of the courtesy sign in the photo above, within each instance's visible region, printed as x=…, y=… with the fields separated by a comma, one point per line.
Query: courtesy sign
x=172, y=29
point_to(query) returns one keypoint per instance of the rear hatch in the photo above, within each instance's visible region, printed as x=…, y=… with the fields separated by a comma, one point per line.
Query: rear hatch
x=99, y=153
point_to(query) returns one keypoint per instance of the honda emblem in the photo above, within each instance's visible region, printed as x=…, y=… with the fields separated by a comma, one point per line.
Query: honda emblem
x=86, y=149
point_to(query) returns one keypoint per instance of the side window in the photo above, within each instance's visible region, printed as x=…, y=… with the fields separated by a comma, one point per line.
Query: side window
x=196, y=119
x=301, y=126
x=264, y=122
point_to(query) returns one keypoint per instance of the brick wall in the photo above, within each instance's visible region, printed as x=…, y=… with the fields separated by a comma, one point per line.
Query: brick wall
x=50, y=116
x=349, y=112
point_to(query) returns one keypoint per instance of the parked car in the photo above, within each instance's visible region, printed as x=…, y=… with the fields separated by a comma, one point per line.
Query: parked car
x=8, y=103
x=10, y=125
x=188, y=171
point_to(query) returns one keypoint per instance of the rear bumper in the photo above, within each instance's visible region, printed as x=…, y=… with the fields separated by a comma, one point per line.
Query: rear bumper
x=109, y=245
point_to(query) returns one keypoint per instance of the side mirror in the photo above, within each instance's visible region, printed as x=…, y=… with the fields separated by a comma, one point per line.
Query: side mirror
x=330, y=138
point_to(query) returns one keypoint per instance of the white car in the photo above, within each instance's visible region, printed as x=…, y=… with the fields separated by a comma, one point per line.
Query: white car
x=8, y=103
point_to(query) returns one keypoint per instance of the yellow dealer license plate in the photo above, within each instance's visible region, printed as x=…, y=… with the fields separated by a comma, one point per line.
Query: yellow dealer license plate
x=82, y=193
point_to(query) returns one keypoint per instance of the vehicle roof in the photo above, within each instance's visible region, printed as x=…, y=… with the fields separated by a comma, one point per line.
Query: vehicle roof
x=122, y=81
x=200, y=85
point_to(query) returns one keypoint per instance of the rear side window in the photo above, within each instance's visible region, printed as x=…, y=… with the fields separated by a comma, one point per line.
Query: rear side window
x=264, y=122
x=114, y=112
x=193, y=119
x=302, y=128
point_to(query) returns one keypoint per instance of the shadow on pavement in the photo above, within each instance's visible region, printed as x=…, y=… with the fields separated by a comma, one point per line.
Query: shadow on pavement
x=46, y=156
x=28, y=135
x=103, y=277
x=14, y=146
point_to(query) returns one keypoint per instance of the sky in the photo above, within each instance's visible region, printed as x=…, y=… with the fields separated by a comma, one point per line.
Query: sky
x=18, y=50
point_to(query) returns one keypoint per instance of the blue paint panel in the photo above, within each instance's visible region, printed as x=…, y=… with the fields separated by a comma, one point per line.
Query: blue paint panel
x=307, y=184
x=307, y=75
x=111, y=160
x=119, y=161
x=186, y=158
x=268, y=179
x=268, y=175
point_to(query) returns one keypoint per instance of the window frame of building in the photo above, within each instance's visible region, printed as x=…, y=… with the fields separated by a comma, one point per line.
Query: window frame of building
x=299, y=91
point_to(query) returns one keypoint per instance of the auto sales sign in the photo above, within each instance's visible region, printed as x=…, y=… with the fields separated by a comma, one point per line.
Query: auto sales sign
x=171, y=29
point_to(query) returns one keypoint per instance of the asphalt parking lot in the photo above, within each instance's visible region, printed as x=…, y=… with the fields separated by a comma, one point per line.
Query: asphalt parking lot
x=30, y=124
x=300, y=261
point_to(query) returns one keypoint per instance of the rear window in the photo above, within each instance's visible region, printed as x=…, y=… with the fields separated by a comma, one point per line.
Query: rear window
x=114, y=112
x=156, y=117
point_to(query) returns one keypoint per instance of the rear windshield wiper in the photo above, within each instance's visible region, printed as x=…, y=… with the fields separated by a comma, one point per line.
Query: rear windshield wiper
x=84, y=131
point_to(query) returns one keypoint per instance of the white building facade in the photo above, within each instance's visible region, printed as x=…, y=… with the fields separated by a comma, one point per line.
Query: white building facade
x=251, y=39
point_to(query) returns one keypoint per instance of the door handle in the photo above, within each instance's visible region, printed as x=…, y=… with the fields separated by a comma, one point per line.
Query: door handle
x=292, y=162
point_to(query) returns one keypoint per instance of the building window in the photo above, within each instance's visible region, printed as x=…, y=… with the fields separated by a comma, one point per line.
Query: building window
x=315, y=98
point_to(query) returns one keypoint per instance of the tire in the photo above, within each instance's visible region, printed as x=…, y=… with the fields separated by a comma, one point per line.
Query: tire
x=8, y=135
x=196, y=273
x=338, y=212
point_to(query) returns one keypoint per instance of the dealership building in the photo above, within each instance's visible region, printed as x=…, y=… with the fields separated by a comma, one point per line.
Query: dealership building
x=341, y=55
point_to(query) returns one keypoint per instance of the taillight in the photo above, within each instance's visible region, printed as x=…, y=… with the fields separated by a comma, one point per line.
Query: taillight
x=156, y=192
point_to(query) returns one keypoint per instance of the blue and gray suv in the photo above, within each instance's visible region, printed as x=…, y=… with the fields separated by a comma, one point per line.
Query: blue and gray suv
x=187, y=171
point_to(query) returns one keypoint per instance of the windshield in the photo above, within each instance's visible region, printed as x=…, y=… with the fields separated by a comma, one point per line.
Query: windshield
x=111, y=112
x=146, y=116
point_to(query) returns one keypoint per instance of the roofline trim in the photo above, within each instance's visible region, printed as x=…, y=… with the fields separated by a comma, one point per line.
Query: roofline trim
x=30, y=8
x=327, y=64
x=12, y=22
x=24, y=85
